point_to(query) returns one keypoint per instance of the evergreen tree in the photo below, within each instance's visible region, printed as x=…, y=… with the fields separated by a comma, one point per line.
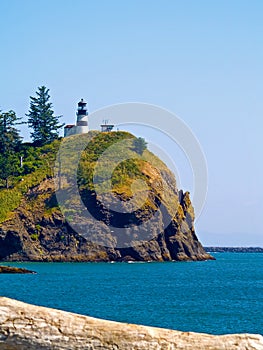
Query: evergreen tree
x=41, y=118
x=139, y=145
x=10, y=139
x=10, y=142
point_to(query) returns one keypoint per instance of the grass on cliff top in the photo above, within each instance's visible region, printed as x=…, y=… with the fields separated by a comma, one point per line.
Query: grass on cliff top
x=38, y=165
x=110, y=163
x=109, y=159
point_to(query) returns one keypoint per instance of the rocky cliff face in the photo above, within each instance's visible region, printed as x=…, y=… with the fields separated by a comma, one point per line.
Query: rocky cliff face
x=160, y=229
x=28, y=327
x=37, y=232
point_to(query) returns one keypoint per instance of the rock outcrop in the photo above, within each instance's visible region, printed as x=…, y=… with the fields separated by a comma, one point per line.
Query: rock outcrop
x=11, y=269
x=28, y=327
x=160, y=229
x=38, y=233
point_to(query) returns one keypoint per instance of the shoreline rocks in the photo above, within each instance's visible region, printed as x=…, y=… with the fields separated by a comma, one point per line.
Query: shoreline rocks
x=27, y=327
x=11, y=269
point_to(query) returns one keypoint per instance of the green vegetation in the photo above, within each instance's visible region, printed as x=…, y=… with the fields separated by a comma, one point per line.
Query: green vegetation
x=104, y=150
x=41, y=118
x=17, y=159
x=38, y=165
x=34, y=236
x=109, y=159
x=9, y=135
x=10, y=142
x=110, y=164
x=140, y=145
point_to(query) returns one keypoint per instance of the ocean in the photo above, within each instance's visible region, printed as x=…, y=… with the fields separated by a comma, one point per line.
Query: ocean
x=217, y=297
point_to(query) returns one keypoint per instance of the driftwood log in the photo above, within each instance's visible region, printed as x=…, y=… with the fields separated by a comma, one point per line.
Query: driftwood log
x=25, y=327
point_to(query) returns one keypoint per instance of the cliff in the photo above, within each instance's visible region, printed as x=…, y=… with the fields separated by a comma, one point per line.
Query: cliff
x=160, y=228
x=28, y=327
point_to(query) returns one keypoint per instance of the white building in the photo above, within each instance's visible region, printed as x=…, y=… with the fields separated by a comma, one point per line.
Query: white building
x=81, y=126
x=106, y=127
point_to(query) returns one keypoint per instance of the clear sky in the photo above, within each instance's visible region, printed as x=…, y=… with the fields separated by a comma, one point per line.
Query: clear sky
x=202, y=60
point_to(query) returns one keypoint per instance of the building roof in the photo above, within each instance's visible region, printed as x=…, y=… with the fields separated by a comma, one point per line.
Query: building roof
x=82, y=102
x=69, y=126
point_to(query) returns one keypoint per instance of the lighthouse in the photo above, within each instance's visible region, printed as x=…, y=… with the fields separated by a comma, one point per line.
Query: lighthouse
x=81, y=126
x=82, y=118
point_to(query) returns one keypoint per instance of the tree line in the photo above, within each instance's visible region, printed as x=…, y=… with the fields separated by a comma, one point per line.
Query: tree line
x=45, y=126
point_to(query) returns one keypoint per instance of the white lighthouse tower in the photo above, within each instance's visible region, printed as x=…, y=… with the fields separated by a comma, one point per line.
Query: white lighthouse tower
x=82, y=118
x=81, y=126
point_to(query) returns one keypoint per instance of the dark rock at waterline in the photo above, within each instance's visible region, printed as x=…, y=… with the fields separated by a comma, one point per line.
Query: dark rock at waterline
x=11, y=269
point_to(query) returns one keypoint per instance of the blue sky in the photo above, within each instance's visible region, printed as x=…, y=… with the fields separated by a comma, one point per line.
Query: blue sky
x=202, y=60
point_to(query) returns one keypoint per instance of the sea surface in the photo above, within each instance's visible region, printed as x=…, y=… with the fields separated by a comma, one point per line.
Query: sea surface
x=217, y=297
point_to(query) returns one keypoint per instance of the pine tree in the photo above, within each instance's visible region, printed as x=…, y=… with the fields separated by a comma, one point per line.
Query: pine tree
x=41, y=118
x=10, y=139
x=10, y=142
x=139, y=145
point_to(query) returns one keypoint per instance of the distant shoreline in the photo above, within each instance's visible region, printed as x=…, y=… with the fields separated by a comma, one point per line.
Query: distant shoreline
x=233, y=249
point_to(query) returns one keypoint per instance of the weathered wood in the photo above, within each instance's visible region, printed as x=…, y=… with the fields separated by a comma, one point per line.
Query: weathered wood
x=27, y=327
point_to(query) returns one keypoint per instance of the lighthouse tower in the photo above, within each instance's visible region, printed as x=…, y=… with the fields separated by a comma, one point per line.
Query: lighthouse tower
x=81, y=126
x=82, y=118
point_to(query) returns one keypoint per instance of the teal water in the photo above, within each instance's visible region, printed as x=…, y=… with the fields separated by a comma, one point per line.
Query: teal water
x=222, y=296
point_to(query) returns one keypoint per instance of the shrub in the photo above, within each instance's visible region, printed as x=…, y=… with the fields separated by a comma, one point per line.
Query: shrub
x=34, y=236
